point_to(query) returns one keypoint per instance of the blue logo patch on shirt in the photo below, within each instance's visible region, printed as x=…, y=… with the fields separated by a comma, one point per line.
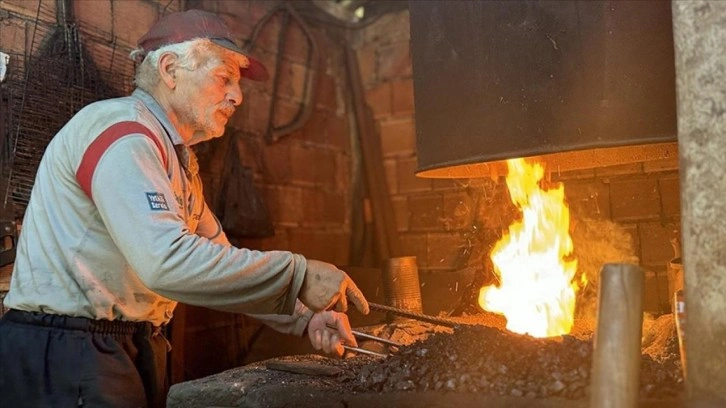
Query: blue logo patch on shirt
x=157, y=202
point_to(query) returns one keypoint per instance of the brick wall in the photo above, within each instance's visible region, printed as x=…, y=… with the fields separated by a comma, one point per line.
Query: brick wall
x=451, y=225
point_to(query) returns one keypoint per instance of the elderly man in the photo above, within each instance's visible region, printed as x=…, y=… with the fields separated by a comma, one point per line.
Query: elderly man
x=117, y=232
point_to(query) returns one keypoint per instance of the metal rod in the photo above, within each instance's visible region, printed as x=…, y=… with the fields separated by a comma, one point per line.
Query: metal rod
x=364, y=351
x=416, y=316
x=375, y=338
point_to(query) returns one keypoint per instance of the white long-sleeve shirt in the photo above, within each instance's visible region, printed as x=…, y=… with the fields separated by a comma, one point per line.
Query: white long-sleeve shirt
x=115, y=229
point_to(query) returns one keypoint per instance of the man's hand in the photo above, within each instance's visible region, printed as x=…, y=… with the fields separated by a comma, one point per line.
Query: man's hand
x=329, y=331
x=326, y=287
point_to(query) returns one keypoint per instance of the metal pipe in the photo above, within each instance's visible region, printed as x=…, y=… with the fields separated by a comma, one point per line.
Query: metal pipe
x=616, y=357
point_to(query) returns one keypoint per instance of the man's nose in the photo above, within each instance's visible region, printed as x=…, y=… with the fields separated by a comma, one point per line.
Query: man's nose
x=234, y=94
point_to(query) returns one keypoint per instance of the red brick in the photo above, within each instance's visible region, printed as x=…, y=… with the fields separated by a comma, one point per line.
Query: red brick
x=297, y=46
x=253, y=115
x=131, y=19
x=619, y=170
x=670, y=196
x=285, y=205
x=655, y=297
x=303, y=160
x=632, y=230
x=276, y=164
x=390, y=27
x=342, y=174
x=442, y=184
x=426, y=212
x=366, y=57
x=325, y=164
x=315, y=129
x=403, y=97
x=400, y=210
x=94, y=17
x=379, y=99
x=279, y=241
x=268, y=37
x=292, y=80
x=327, y=246
x=444, y=251
x=398, y=137
x=496, y=210
x=459, y=211
x=634, y=199
x=233, y=7
x=285, y=113
x=390, y=166
x=12, y=32
x=338, y=135
x=588, y=198
x=326, y=92
x=394, y=60
x=556, y=175
x=408, y=182
x=670, y=163
x=413, y=244
x=655, y=241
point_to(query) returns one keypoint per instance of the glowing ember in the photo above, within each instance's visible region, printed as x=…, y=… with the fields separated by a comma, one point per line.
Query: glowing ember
x=536, y=290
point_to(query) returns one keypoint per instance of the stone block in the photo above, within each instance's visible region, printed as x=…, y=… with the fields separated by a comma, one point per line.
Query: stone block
x=634, y=199
x=398, y=137
x=426, y=212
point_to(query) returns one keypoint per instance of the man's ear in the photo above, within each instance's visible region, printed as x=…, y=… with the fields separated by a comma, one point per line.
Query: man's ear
x=167, y=69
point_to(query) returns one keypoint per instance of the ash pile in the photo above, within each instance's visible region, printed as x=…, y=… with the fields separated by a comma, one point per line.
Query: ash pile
x=487, y=360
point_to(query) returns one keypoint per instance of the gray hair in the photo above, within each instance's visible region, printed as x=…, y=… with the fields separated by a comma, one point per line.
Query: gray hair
x=192, y=54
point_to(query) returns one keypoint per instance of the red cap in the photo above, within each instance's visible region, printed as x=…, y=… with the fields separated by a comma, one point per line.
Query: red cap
x=187, y=25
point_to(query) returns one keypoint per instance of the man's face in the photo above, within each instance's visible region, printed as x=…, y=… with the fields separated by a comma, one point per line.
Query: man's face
x=207, y=97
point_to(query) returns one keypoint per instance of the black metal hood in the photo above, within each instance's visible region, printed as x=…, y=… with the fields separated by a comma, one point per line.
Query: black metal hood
x=503, y=79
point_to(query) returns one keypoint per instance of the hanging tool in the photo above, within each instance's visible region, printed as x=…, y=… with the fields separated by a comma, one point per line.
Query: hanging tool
x=288, y=13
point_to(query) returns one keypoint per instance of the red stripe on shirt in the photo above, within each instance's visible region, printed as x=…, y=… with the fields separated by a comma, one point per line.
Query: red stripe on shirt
x=98, y=147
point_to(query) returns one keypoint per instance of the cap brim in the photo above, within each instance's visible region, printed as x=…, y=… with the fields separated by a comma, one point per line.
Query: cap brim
x=256, y=71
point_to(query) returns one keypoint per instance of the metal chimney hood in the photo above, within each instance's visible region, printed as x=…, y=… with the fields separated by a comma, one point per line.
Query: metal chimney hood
x=579, y=84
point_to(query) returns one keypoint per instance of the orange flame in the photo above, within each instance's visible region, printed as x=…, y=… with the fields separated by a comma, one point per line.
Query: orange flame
x=536, y=291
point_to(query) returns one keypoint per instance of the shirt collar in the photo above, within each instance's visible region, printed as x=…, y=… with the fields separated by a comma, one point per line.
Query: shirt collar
x=153, y=106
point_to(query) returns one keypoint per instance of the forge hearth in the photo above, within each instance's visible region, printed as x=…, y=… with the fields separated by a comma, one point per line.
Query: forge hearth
x=474, y=365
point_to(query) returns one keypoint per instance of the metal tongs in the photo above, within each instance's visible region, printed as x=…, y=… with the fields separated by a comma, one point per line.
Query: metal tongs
x=366, y=336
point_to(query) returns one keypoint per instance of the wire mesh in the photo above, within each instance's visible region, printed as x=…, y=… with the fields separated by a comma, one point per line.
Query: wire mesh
x=49, y=83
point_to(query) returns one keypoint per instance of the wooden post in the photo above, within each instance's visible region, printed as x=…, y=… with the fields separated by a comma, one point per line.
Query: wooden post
x=616, y=358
